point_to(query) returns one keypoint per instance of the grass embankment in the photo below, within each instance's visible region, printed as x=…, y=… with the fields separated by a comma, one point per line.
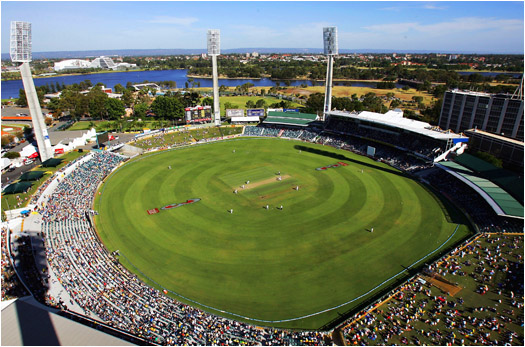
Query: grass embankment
x=316, y=253
x=182, y=137
x=11, y=201
x=507, y=250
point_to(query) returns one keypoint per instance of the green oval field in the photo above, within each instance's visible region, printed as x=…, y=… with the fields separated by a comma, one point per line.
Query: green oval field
x=299, y=267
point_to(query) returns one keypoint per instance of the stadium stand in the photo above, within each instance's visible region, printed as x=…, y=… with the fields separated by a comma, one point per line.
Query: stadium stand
x=289, y=118
x=109, y=293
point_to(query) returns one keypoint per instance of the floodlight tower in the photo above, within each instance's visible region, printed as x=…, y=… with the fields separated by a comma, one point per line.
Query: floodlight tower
x=214, y=49
x=21, y=53
x=330, y=49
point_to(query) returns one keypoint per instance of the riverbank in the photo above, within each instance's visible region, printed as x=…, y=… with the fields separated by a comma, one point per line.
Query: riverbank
x=85, y=73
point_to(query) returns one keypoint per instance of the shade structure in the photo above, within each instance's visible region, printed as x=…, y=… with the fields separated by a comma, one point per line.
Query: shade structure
x=32, y=176
x=52, y=162
x=16, y=188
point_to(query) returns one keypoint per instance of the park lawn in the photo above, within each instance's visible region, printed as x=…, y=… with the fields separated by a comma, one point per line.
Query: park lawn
x=9, y=201
x=343, y=91
x=84, y=125
x=240, y=101
x=270, y=267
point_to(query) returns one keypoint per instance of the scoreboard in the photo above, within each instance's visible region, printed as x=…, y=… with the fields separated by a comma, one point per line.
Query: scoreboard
x=198, y=114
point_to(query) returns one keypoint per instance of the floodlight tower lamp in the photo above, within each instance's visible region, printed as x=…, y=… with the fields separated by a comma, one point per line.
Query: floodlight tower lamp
x=214, y=49
x=20, y=51
x=330, y=49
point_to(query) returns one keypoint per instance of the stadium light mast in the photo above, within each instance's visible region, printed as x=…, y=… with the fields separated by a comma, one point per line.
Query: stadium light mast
x=330, y=49
x=214, y=49
x=20, y=52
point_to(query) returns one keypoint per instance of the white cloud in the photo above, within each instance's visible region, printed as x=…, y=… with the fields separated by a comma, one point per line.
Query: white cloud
x=434, y=7
x=458, y=25
x=173, y=20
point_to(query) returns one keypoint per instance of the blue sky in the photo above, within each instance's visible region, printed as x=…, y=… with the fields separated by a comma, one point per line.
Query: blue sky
x=484, y=26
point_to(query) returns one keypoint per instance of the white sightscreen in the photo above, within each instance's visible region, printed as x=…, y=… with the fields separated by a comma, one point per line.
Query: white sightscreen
x=20, y=41
x=371, y=151
x=330, y=40
x=214, y=42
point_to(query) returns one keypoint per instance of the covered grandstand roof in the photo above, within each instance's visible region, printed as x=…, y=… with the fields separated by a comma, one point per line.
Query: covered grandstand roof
x=500, y=201
x=290, y=118
x=25, y=322
x=395, y=119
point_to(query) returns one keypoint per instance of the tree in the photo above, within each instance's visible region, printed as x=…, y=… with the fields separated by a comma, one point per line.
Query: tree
x=395, y=103
x=7, y=139
x=417, y=99
x=74, y=102
x=11, y=155
x=315, y=103
x=114, y=108
x=28, y=131
x=119, y=89
x=97, y=102
x=250, y=104
x=140, y=110
x=48, y=121
x=207, y=101
x=127, y=98
x=261, y=103
x=22, y=100
x=168, y=107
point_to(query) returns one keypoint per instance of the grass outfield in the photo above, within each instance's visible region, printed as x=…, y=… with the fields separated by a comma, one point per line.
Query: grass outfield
x=272, y=266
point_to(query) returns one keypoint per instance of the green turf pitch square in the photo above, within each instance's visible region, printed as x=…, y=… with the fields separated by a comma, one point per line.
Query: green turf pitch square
x=288, y=268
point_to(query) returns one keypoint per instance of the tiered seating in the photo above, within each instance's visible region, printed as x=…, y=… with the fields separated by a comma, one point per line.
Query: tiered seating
x=291, y=133
x=108, y=292
x=251, y=130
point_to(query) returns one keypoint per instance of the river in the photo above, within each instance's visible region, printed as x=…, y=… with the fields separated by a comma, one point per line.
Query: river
x=10, y=89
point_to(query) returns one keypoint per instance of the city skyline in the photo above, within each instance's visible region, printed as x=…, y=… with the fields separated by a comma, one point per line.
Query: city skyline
x=477, y=26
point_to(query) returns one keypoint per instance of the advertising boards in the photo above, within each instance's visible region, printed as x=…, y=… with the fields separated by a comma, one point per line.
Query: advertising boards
x=234, y=112
x=255, y=112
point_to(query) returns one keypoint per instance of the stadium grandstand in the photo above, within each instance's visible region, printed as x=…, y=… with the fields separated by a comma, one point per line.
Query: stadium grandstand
x=290, y=118
x=78, y=278
x=407, y=134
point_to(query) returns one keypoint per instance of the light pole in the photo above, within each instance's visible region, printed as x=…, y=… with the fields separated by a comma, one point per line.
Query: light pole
x=330, y=49
x=20, y=52
x=214, y=49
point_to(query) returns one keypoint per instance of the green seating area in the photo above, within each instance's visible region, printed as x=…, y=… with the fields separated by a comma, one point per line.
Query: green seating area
x=506, y=179
x=508, y=205
x=290, y=118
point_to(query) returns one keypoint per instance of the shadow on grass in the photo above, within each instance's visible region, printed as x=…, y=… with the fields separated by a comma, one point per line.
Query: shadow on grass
x=343, y=157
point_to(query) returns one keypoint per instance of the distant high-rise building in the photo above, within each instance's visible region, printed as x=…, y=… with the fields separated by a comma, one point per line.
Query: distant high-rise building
x=497, y=114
